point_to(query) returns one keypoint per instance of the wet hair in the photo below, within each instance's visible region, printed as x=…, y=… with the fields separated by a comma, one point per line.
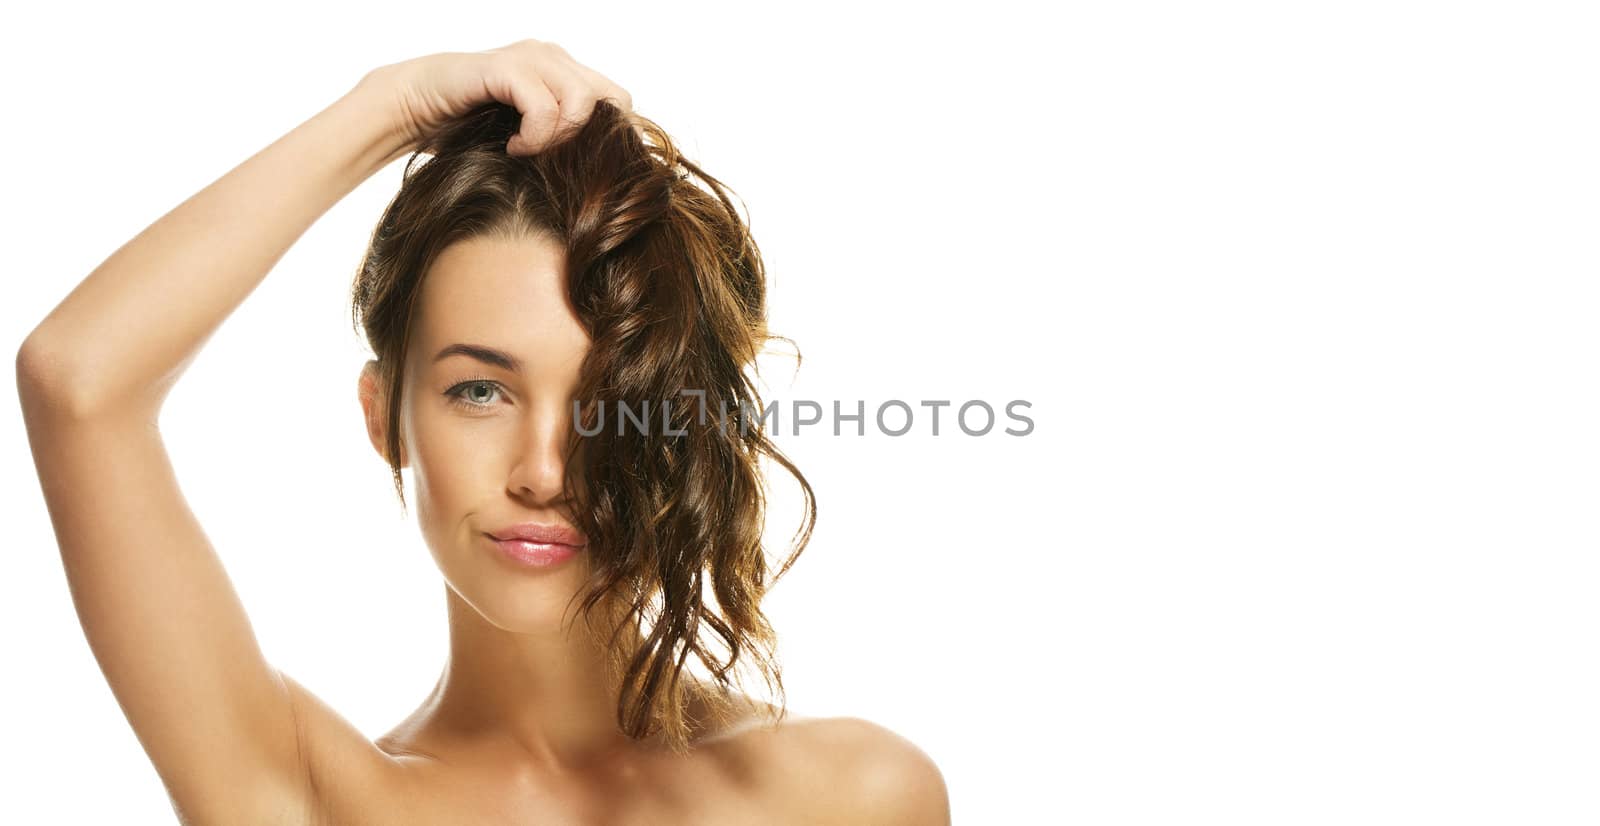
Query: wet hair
x=666, y=279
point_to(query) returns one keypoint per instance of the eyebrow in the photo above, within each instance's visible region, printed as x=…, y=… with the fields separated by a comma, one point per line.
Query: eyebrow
x=487, y=355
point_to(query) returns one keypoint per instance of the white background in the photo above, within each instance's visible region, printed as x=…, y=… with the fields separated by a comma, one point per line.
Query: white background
x=1303, y=296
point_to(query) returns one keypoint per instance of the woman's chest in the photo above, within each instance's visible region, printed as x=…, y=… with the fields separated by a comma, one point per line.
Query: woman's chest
x=445, y=809
x=705, y=796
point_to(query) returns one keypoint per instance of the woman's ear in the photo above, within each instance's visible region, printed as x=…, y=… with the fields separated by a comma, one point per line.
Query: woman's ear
x=373, y=394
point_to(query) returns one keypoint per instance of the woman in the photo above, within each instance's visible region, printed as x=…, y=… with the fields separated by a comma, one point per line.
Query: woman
x=553, y=261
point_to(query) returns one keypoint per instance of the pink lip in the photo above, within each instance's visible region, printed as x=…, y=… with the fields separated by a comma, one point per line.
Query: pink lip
x=538, y=546
x=536, y=554
x=535, y=532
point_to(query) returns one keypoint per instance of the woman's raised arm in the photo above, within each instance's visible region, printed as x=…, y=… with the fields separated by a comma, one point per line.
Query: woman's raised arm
x=160, y=614
x=233, y=740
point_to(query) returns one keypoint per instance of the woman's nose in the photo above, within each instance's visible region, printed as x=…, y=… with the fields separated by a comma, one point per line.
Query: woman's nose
x=539, y=463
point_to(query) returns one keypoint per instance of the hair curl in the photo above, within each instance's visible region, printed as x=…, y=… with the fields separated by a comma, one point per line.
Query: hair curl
x=668, y=282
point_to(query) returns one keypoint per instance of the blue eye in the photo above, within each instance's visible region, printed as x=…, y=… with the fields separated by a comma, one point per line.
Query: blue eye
x=457, y=393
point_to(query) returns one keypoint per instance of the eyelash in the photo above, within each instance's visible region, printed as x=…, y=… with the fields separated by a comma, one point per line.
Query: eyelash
x=457, y=398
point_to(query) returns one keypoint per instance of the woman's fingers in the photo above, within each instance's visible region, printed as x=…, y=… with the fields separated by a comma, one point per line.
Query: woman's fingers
x=553, y=94
x=574, y=96
x=539, y=115
x=561, y=97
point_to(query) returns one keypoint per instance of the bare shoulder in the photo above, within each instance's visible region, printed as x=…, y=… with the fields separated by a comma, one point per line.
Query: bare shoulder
x=850, y=770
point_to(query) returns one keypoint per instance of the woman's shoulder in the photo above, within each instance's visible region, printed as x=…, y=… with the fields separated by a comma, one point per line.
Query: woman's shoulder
x=856, y=770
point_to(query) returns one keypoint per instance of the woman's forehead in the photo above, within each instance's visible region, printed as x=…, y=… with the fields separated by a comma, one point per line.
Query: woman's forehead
x=508, y=293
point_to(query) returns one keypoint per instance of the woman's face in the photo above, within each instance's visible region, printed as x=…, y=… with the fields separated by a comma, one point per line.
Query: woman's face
x=484, y=441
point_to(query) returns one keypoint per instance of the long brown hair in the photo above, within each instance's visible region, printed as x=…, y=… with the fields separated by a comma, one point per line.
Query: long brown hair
x=668, y=282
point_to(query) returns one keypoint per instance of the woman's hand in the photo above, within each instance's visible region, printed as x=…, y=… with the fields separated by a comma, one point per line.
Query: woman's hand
x=554, y=93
